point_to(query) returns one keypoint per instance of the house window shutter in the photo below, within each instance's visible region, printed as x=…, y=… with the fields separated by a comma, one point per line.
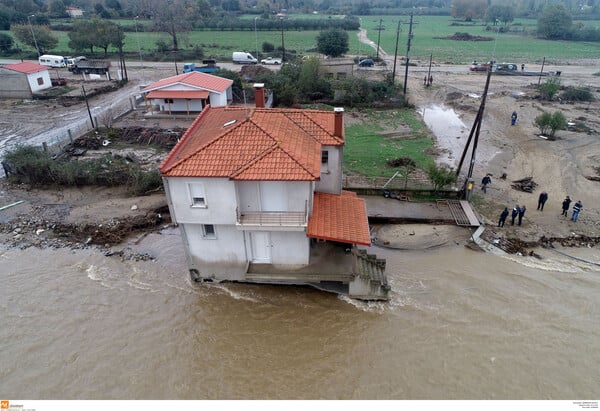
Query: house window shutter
x=197, y=195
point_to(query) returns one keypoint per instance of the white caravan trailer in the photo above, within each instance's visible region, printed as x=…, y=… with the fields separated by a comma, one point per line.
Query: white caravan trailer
x=52, y=61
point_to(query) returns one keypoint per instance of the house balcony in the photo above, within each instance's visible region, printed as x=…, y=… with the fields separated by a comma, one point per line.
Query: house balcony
x=272, y=220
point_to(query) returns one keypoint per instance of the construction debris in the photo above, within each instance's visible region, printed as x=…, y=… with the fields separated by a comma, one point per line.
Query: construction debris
x=525, y=184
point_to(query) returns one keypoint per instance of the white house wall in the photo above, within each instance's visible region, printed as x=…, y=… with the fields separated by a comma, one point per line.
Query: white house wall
x=218, y=99
x=292, y=196
x=290, y=248
x=179, y=105
x=331, y=174
x=33, y=81
x=222, y=258
x=220, y=201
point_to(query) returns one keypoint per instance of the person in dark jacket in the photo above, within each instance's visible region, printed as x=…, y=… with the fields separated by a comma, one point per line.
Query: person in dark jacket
x=514, y=214
x=542, y=200
x=565, y=205
x=485, y=181
x=513, y=118
x=521, y=214
x=503, y=217
x=576, y=210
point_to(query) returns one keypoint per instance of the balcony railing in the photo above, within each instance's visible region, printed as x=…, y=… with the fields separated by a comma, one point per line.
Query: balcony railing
x=273, y=219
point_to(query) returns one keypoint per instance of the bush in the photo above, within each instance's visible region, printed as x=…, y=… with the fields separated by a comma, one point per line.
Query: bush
x=143, y=182
x=577, y=94
x=549, y=89
x=32, y=166
x=29, y=165
x=267, y=47
x=440, y=176
x=550, y=123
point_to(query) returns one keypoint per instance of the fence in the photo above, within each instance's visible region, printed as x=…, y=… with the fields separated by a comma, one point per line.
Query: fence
x=397, y=183
x=55, y=140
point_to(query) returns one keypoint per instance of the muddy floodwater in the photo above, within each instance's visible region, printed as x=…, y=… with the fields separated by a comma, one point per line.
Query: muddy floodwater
x=460, y=325
x=452, y=136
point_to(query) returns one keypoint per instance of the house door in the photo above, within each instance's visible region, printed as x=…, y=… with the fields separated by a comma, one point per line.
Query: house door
x=261, y=247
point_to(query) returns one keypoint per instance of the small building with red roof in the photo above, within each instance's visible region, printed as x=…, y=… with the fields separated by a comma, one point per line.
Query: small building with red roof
x=188, y=92
x=257, y=194
x=23, y=80
x=74, y=12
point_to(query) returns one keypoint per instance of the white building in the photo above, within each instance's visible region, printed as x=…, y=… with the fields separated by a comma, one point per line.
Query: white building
x=188, y=92
x=22, y=80
x=258, y=197
x=74, y=12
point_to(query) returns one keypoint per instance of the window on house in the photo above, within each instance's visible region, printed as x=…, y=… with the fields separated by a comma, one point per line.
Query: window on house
x=208, y=231
x=341, y=76
x=197, y=195
x=324, y=157
x=168, y=101
x=40, y=81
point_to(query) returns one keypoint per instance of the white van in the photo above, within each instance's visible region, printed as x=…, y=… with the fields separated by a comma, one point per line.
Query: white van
x=243, y=57
x=52, y=61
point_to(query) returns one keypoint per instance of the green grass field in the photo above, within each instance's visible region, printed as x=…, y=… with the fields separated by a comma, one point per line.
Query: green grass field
x=367, y=149
x=427, y=31
x=427, y=40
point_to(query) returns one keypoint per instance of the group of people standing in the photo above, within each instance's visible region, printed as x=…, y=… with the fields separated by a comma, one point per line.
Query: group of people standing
x=519, y=211
x=577, y=207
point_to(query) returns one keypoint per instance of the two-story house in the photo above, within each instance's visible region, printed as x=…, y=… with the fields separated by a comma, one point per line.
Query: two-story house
x=257, y=194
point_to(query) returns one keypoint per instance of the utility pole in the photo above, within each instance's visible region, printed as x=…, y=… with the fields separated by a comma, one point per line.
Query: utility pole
x=378, y=39
x=88, y=106
x=429, y=78
x=282, y=44
x=410, y=35
x=37, y=49
x=122, y=66
x=541, y=71
x=475, y=131
x=396, y=53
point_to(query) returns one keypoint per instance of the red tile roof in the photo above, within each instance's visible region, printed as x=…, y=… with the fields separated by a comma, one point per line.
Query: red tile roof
x=253, y=144
x=185, y=94
x=194, y=79
x=341, y=218
x=25, y=67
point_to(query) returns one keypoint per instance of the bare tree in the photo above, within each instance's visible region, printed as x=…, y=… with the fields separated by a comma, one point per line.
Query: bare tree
x=174, y=17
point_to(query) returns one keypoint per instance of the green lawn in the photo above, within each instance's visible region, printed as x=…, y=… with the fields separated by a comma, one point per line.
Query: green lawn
x=508, y=47
x=367, y=149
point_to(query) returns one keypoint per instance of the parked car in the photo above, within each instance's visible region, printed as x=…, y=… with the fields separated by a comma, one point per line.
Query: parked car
x=366, y=63
x=479, y=67
x=270, y=60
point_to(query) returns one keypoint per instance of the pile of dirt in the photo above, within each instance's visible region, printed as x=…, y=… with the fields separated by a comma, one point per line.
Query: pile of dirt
x=113, y=232
x=465, y=37
x=251, y=72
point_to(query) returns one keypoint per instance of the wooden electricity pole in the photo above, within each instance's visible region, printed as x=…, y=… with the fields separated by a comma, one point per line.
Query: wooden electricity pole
x=396, y=53
x=410, y=35
x=475, y=131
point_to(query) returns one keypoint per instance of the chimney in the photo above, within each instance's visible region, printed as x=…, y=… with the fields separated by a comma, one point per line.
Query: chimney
x=259, y=94
x=338, y=125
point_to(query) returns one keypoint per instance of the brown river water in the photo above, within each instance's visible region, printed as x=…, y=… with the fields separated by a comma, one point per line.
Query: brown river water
x=460, y=325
